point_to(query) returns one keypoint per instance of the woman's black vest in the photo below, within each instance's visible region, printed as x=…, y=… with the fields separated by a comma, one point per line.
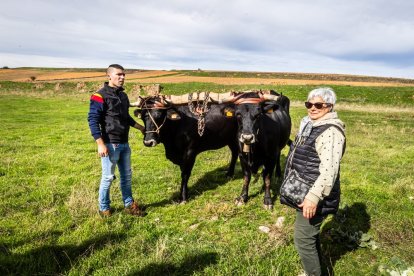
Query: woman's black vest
x=306, y=162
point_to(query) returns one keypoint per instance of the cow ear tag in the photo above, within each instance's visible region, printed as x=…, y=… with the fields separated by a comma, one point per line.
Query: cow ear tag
x=270, y=111
x=228, y=113
x=174, y=116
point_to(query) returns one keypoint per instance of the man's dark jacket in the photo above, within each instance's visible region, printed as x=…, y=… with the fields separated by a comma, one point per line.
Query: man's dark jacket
x=108, y=115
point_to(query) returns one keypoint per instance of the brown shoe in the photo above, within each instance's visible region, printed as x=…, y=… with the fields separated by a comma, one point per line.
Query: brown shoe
x=134, y=210
x=105, y=214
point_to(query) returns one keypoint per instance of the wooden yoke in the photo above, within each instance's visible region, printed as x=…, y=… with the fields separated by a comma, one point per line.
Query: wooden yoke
x=212, y=97
x=183, y=99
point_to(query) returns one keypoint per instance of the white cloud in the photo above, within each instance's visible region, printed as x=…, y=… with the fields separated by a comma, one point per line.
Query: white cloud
x=357, y=37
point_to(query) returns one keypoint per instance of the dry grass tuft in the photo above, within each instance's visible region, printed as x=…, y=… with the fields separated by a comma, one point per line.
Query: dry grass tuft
x=391, y=235
x=280, y=236
x=80, y=86
x=58, y=86
x=96, y=87
x=82, y=201
x=161, y=249
x=404, y=186
x=220, y=209
x=39, y=85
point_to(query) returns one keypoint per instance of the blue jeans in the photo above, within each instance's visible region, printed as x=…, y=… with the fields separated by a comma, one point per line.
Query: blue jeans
x=119, y=154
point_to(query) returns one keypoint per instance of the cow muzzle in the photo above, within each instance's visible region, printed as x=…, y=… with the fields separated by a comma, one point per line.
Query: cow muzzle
x=150, y=143
x=247, y=139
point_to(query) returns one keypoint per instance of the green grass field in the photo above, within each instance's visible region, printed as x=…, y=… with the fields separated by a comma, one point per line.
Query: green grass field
x=49, y=177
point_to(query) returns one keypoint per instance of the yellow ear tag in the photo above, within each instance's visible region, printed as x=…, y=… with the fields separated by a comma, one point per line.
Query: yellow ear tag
x=229, y=114
x=174, y=116
x=270, y=111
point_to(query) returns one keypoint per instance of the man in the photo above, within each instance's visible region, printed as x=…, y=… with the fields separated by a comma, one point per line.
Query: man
x=109, y=122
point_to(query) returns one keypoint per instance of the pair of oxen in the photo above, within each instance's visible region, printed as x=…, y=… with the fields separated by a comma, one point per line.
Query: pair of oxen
x=255, y=125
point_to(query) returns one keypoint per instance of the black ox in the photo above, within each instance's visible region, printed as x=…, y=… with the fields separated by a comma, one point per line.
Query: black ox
x=175, y=126
x=263, y=131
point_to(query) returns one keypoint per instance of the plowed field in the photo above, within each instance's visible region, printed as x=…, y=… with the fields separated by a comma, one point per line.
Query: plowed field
x=159, y=76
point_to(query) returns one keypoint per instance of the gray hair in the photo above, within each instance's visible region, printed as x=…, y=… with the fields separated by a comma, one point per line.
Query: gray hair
x=326, y=93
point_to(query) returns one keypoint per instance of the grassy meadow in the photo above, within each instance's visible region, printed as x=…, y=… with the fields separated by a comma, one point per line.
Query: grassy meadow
x=49, y=178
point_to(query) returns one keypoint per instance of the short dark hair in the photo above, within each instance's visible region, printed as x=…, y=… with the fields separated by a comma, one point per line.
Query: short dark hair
x=117, y=66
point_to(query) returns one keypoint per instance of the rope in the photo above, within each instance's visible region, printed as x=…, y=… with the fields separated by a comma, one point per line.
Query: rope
x=156, y=106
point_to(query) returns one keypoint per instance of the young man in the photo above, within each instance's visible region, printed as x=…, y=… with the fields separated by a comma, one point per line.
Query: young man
x=109, y=122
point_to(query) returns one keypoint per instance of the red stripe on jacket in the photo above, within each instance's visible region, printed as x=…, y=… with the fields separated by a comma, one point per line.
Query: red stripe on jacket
x=97, y=98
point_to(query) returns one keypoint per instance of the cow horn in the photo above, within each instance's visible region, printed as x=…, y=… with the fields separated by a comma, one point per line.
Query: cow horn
x=137, y=103
x=227, y=98
x=270, y=97
x=166, y=101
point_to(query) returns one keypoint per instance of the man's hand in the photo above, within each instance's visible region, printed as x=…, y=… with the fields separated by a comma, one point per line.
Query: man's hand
x=140, y=128
x=102, y=149
x=308, y=208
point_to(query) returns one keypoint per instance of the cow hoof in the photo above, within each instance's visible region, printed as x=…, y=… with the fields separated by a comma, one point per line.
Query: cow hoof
x=230, y=175
x=239, y=202
x=268, y=207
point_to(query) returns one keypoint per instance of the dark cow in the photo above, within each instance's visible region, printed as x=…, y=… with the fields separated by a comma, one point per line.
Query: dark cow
x=263, y=130
x=178, y=129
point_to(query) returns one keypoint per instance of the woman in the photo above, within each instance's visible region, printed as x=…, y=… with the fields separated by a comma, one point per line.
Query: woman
x=315, y=155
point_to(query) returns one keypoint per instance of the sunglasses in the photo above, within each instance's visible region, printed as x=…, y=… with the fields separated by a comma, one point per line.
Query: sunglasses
x=317, y=105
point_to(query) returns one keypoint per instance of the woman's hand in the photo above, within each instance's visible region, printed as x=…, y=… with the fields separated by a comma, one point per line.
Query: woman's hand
x=308, y=208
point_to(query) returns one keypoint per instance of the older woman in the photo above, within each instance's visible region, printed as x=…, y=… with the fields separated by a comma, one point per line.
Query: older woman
x=315, y=155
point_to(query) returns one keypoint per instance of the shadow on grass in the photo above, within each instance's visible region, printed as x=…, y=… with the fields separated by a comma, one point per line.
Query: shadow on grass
x=50, y=259
x=278, y=179
x=209, y=181
x=342, y=234
x=189, y=266
x=258, y=180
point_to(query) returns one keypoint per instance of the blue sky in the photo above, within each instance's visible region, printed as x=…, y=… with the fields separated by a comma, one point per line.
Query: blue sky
x=365, y=37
